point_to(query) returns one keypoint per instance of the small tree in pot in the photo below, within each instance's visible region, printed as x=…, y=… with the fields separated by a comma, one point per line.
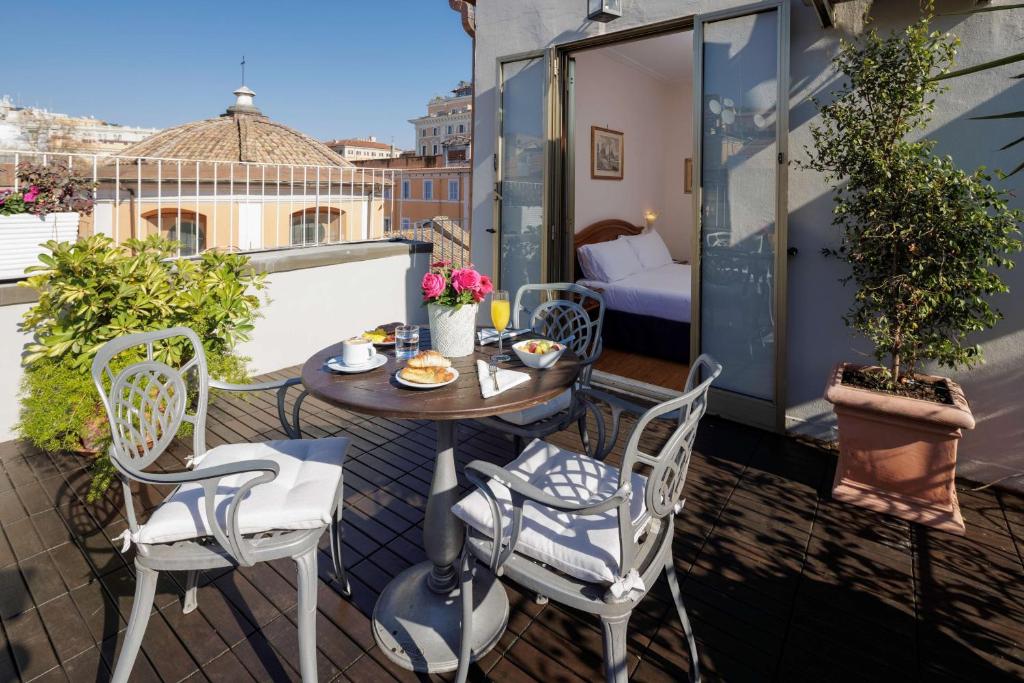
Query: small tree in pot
x=922, y=239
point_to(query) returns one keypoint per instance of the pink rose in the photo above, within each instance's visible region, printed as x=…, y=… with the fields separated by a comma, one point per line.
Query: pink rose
x=465, y=278
x=478, y=296
x=31, y=195
x=486, y=286
x=433, y=284
x=440, y=264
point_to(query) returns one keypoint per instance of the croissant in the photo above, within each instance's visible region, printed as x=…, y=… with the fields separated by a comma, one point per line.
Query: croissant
x=426, y=375
x=429, y=359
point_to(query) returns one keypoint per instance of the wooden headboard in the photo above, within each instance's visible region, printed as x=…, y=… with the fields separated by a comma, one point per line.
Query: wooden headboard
x=601, y=231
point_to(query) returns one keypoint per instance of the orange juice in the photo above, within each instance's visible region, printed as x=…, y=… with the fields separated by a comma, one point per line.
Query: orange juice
x=500, y=314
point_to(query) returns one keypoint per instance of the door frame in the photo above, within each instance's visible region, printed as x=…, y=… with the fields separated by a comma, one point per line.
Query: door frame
x=559, y=203
x=769, y=415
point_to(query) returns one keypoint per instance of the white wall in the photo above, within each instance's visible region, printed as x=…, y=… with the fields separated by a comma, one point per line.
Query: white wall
x=315, y=307
x=816, y=335
x=655, y=119
x=11, y=343
x=309, y=309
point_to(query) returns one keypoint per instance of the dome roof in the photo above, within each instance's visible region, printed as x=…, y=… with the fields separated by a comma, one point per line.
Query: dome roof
x=242, y=133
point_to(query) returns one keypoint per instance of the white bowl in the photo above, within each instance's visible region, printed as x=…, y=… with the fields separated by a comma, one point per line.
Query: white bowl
x=541, y=361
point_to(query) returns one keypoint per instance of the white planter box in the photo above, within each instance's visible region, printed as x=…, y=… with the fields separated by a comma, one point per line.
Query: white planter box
x=21, y=235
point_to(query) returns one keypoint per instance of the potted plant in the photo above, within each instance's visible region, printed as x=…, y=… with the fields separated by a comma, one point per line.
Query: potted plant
x=92, y=291
x=46, y=206
x=452, y=295
x=922, y=240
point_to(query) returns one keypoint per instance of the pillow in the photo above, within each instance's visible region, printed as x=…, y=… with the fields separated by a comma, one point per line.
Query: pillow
x=587, y=263
x=612, y=261
x=650, y=250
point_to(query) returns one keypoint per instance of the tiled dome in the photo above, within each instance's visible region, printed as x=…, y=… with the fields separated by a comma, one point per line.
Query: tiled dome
x=242, y=133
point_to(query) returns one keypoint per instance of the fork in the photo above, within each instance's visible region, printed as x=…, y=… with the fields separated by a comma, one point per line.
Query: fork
x=494, y=375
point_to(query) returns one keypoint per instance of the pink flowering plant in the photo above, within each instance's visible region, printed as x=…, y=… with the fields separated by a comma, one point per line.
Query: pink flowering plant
x=448, y=286
x=47, y=189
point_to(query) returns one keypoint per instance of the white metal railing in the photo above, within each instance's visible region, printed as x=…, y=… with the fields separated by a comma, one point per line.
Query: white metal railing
x=243, y=206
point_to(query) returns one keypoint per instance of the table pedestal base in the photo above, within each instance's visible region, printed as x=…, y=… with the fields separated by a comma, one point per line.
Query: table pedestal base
x=421, y=630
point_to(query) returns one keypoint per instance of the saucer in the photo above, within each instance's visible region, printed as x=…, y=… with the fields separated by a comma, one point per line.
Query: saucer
x=337, y=364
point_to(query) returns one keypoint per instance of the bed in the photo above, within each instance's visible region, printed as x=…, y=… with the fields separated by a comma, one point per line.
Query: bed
x=648, y=312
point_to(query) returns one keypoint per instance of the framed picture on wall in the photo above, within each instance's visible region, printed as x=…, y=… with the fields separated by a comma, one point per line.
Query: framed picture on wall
x=688, y=176
x=606, y=153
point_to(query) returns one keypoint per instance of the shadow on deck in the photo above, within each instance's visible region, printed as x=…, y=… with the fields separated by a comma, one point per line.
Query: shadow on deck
x=781, y=582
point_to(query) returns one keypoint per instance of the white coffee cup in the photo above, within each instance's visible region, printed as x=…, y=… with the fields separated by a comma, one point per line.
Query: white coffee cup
x=357, y=351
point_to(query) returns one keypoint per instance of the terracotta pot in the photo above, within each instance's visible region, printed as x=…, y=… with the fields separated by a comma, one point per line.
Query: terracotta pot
x=897, y=455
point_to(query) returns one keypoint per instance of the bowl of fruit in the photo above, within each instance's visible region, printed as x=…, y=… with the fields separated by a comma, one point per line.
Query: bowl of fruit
x=538, y=353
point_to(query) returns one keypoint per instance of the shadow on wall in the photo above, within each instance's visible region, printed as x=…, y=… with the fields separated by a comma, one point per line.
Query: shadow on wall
x=817, y=336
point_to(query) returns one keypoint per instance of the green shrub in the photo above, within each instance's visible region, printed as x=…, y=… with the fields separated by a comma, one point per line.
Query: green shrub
x=93, y=291
x=923, y=238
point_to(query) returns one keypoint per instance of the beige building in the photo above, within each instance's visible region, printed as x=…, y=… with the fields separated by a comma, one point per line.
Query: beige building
x=238, y=181
x=356, y=149
x=448, y=119
x=31, y=128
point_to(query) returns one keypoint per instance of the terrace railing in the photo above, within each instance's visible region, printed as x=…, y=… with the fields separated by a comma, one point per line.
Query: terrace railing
x=241, y=206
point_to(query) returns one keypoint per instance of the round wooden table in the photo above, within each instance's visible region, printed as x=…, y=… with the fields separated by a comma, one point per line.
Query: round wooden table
x=417, y=619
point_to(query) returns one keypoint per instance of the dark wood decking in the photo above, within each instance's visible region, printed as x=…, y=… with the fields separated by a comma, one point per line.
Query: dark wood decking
x=781, y=583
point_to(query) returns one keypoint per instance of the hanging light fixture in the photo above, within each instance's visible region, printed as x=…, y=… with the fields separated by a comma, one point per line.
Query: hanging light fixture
x=604, y=10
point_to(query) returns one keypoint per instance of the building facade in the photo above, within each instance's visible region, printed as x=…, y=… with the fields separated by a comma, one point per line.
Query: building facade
x=428, y=198
x=31, y=128
x=356, y=149
x=780, y=53
x=449, y=120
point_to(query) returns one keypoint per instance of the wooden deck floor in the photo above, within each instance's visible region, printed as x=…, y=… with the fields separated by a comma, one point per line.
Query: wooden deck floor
x=781, y=583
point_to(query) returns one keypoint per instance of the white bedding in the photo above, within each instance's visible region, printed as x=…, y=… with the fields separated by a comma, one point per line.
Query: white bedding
x=662, y=292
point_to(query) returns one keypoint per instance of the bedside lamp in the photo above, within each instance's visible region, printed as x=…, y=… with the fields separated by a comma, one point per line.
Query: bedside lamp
x=649, y=219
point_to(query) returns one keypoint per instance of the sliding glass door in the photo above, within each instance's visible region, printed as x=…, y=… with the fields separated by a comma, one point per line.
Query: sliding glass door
x=522, y=243
x=740, y=120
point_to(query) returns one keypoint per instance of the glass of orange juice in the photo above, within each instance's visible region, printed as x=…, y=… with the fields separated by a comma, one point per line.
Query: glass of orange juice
x=500, y=312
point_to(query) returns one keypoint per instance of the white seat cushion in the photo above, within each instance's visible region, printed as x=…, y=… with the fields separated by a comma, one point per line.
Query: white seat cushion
x=540, y=411
x=586, y=547
x=302, y=496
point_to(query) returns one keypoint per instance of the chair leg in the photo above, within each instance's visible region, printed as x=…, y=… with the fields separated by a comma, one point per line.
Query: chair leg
x=615, y=631
x=191, y=589
x=307, y=581
x=584, y=432
x=466, y=592
x=145, y=589
x=339, y=563
x=677, y=596
x=517, y=444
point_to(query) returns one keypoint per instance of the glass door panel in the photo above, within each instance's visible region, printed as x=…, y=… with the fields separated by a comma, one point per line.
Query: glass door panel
x=739, y=172
x=522, y=243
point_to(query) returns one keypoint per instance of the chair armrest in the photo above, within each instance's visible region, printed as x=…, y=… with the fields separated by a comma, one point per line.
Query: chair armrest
x=522, y=491
x=230, y=538
x=618, y=407
x=291, y=428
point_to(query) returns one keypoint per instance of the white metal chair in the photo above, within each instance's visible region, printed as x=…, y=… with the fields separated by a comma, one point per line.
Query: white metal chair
x=582, y=532
x=567, y=312
x=240, y=503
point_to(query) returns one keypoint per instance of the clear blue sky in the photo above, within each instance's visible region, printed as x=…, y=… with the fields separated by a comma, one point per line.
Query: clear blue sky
x=342, y=68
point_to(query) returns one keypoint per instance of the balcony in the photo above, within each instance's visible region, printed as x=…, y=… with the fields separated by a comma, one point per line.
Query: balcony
x=781, y=582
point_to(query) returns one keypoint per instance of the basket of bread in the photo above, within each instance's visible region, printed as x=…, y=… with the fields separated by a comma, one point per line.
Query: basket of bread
x=427, y=370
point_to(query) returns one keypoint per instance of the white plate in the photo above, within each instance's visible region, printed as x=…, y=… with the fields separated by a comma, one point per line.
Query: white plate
x=417, y=385
x=336, y=364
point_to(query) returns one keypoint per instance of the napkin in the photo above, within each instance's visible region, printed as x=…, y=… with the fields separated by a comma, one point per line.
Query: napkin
x=506, y=379
x=489, y=335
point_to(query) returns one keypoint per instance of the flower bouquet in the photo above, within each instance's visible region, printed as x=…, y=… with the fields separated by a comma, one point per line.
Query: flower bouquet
x=452, y=295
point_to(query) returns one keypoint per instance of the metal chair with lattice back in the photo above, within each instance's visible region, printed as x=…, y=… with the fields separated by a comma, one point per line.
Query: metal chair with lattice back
x=240, y=504
x=573, y=314
x=585, y=533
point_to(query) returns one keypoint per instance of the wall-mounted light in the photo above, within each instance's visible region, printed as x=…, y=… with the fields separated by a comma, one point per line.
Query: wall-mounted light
x=604, y=10
x=649, y=218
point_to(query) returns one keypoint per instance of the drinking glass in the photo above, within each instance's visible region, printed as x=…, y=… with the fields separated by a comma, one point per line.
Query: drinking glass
x=407, y=341
x=500, y=313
